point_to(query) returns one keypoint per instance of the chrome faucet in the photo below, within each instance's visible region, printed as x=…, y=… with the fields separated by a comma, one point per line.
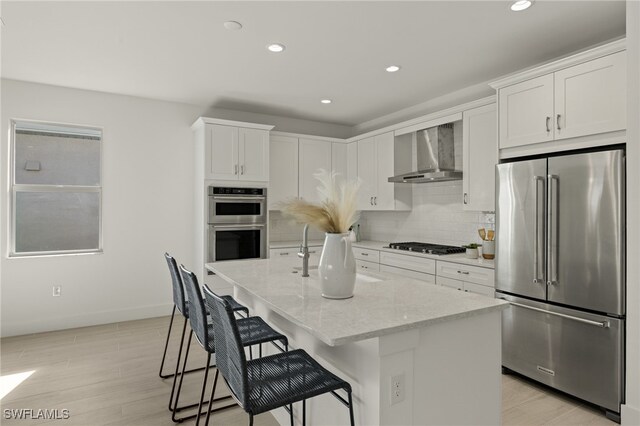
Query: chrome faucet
x=304, y=251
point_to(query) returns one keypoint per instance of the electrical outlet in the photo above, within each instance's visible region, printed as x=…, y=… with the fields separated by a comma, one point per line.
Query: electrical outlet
x=57, y=290
x=397, y=388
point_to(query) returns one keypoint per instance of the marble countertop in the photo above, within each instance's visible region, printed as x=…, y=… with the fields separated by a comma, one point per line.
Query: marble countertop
x=382, y=246
x=383, y=303
x=455, y=258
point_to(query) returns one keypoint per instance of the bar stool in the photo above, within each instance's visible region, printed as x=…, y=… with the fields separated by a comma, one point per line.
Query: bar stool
x=252, y=331
x=270, y=382
x=182, y=305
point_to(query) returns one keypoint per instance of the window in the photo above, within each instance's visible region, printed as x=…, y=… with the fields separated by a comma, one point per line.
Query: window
x=56, y=192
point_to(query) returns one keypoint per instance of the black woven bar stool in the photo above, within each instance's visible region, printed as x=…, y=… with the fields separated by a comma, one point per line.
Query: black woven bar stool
x=252, y=331
x=270, y=382
x=181, y=303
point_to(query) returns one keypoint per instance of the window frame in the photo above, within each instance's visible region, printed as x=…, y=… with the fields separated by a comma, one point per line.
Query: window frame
x=14, y=189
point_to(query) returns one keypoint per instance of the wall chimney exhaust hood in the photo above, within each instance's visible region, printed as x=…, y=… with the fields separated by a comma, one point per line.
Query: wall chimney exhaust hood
x=433, y=157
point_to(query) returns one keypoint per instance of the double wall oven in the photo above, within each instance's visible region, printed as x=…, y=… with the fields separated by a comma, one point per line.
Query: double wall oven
x=237, y=223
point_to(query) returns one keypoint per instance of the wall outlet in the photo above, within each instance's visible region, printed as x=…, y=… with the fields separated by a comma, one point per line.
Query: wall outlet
x=397, y=388
x=57, y=290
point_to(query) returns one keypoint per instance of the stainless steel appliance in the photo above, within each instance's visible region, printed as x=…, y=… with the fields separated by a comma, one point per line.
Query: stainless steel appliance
x=427, y=248
x=560, y=257
x=237, y=224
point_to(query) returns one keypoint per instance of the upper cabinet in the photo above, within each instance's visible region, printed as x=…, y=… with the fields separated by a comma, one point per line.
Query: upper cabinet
x=352, y=161
x=479, y=158
x=233, y=151
x=591, y=98
x=582, y=99
x=377, y=158
x=339, y=160
x=312, y=155
x=283, y=170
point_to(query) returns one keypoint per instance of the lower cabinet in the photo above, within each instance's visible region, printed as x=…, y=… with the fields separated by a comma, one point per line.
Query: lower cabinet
x=367, y=266
x=314, y=253
x=428, y=278
x=465, y=286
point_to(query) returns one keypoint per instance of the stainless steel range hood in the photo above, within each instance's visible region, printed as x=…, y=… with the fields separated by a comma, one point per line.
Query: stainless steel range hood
x=433, y=157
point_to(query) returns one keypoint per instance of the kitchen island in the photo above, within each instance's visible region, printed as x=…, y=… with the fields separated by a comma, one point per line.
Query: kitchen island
x=414, y=353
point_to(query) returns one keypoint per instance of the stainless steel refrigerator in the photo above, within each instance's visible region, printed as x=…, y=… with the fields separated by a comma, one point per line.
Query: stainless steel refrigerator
x=560, y=257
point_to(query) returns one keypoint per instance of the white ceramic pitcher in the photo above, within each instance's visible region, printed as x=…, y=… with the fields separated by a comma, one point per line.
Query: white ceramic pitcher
x=337, y=268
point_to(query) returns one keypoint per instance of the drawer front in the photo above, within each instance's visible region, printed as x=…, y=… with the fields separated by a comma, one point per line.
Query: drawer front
x=479, y=289
x=366, y=254
x=283, y=252
x=363, y=265
x=557, y=347
x=473, y=274
x=448, y=282
x=414, y=263
x=431, y=279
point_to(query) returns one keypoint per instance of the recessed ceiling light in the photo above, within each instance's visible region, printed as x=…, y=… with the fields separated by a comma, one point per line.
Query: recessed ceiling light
x=326, y=101
x=521, y=5
x=393, y=68
x=276, y=47
x=232, y=25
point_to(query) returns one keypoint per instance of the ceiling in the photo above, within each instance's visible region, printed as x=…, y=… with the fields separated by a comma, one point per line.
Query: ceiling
x=180, y=51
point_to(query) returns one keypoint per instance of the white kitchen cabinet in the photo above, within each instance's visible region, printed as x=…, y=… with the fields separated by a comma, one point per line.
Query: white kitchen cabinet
x=577, y=99
x=468, y=273
x=590, y=98
x=428, y=278
x=367, y=172
x=221, y=152
x=479, y=158
x=378, y=158
x=366, y=254
x=235, y=153
x=313, y=155
x=526, y=112
x=283, y=170
x=339, y=160
x=404, y=261
x=352, y=161
x=253, y=155
x=465, y=286
x=363, y=265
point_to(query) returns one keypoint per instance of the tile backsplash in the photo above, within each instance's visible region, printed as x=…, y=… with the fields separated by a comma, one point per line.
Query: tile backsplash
x=437, y=217
x=284, y=229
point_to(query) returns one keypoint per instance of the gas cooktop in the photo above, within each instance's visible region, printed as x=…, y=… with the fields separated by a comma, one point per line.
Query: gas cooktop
x=427, y=248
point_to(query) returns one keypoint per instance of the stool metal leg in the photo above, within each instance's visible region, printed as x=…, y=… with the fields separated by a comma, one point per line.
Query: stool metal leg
x=166, y=344
x=204, y=387
x=304, y=412
x=175, y=375
x=184, y=366
x=250, y=419
x=353, y=422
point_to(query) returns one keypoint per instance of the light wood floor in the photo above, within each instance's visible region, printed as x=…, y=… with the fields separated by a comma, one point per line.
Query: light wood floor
x=108, y=375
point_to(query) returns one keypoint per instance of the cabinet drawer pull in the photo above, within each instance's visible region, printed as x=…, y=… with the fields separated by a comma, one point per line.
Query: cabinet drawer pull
x=284, y=254
x=548, y=122
x=364, y=267
x=312, y=251
x=365, y=254
x=464, y=272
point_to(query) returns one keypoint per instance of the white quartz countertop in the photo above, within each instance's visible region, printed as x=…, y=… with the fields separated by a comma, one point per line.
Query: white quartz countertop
x=455, y=258
x=383, y=303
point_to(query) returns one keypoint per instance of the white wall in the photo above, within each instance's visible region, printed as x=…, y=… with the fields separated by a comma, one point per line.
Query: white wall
x=147, y=209
x=631, y=409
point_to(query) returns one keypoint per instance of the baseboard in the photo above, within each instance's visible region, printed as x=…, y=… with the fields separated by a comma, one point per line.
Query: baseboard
x=630, y=415
x=12, y=328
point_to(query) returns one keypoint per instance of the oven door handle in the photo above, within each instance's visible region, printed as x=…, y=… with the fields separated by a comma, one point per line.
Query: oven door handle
x=240, y=226
x=239, y=198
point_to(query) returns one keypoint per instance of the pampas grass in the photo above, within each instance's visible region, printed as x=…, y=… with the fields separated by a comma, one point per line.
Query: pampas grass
x=338, y=210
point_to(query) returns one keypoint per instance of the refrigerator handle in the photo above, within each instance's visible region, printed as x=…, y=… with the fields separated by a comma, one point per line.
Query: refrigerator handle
x=536, y=238
x=601, y=324
x=552, y=240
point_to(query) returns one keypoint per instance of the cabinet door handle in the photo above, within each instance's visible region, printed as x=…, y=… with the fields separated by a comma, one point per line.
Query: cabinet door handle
x=375, y=201
x=242, y=169
x=548, y=123
x=371, y=201
x=558, y=121
x=235, y=169
x=465, y=198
